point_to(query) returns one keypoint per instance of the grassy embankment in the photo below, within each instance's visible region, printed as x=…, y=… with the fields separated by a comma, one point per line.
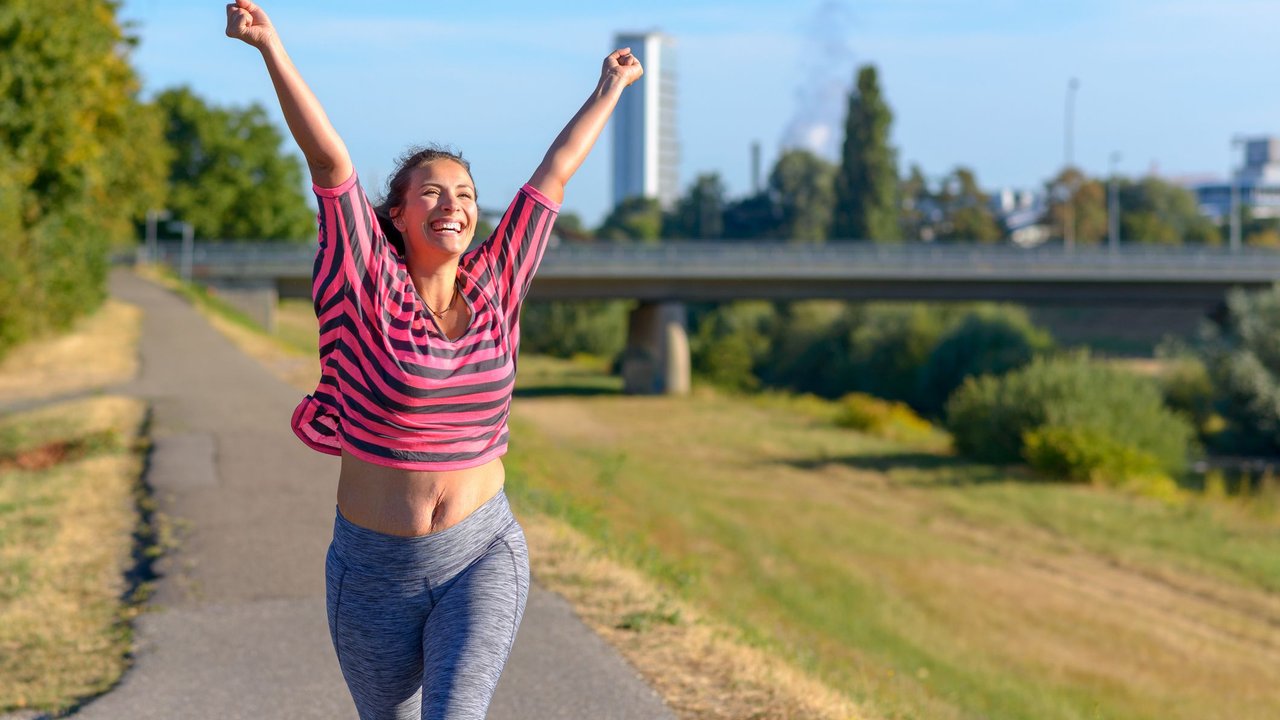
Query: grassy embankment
x=918, y=584
x=70, y=514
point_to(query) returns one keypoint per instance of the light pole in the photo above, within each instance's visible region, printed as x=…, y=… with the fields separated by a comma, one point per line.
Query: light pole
x=1113, y=206
x=153, y=249
x=1069, y=215
x=188, y=247
x=1234, y=179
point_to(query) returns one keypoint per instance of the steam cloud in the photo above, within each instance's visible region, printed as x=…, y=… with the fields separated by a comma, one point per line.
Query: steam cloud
x=821, y=96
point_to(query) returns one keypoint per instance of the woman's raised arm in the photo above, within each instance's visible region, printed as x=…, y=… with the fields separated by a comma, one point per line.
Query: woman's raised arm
x=325, y=153
x=570, y=148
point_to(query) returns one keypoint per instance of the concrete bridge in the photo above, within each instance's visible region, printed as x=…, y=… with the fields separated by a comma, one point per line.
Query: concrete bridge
x=665, y=276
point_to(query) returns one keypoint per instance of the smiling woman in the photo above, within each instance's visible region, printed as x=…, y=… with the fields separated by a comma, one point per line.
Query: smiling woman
x=418, y=345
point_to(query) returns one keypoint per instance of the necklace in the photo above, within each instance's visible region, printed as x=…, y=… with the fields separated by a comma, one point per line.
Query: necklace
x=453, y=300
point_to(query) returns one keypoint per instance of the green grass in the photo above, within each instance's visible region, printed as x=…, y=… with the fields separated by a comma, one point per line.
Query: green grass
x=921, y=585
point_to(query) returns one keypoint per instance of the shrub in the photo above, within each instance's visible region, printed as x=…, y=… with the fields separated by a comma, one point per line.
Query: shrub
x=565, y=329
x=988, y=340
x=883, y=418
x=1083, y=454
x=1243, y=357
x=989, y=416
x=730, y=342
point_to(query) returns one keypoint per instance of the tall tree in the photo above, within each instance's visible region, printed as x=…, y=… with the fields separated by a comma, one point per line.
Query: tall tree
x=967, y=216
x=803, y=186
x=920, y=211
x=635, y=218
x=230, y=177
x=1155, y=211
x=1081, y=201
x=755, y=217
x=81, y=158
x=699, y=213
x=867, y=185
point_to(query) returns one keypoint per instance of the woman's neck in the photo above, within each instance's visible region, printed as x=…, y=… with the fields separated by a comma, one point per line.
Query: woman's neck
x=435, y=279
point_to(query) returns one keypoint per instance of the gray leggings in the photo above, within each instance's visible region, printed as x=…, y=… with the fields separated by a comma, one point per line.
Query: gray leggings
x=423, y=625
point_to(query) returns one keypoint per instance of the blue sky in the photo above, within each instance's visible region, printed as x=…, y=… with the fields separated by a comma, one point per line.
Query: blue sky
x=981, y=83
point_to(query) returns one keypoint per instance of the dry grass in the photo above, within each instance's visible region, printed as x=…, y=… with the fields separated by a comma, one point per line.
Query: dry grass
x=99, y=351
x=66, y=535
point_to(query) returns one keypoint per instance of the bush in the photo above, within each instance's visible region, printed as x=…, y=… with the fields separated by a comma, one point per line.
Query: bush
x=1243, y=357
x=988, y=340
x=990, y=417
x=731, y=340
x=882, y=418
x=1083, y=454
x=565, y=329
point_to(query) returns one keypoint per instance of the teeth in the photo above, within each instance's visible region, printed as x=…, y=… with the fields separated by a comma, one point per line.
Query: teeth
x=456, y=227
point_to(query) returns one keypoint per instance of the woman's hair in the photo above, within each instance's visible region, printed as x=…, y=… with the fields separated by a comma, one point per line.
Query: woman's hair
x=414, y=157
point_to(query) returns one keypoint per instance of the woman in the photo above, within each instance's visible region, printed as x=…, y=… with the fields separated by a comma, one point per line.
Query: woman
x=427, y=573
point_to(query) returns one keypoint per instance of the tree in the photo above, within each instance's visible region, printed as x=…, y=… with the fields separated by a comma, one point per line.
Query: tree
x=1083, y=202
x=635, y=218
x=966, y=215
x=920, y=213
x=755, y=217
x=803, y=186
x=1155, y=211
x=229, y=177
x=81, y=159
x=699, y=213
x=866, y=186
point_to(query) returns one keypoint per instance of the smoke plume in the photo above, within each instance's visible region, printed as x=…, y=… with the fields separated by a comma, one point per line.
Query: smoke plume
x=825, y=79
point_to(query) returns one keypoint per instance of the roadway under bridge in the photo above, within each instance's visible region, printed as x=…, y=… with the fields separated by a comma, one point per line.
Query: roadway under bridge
x=1186, y=282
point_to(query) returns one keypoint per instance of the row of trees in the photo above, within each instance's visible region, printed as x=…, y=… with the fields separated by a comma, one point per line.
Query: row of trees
x=810, y=200
x=83, y=158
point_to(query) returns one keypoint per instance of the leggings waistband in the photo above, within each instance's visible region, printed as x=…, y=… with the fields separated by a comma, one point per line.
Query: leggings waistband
x=458, y=544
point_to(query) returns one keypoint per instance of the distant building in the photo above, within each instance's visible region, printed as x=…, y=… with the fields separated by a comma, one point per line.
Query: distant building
x=646, y=151
x=1257, y=183
x=1022, y=212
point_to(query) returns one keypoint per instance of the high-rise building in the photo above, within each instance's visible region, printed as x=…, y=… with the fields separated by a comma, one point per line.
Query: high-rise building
x=646, y=152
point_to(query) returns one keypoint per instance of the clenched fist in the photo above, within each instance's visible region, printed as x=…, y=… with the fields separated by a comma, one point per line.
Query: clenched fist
x=622, y=65
x=248, y=22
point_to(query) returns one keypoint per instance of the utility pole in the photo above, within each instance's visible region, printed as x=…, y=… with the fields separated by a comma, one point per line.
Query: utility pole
x=1234, y=178
x=1069, y=216
x=1113, y=206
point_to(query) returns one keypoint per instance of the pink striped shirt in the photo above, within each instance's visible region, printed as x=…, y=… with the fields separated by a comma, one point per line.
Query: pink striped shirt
x=394, y=390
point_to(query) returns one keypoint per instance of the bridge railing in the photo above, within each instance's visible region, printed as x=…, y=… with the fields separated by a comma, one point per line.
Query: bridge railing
x=755, y=258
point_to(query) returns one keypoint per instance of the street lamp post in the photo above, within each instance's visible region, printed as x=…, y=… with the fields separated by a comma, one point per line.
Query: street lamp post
x=1234, y=179
x=152, y=243
x=188, y=247
x=1069, y=216
x=1113, y=206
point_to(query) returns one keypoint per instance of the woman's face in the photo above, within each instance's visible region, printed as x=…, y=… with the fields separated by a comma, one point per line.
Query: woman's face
x=439, y=211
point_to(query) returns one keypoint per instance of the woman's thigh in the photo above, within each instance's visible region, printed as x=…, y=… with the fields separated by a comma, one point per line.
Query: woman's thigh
x=469, y=633
x=377, y=632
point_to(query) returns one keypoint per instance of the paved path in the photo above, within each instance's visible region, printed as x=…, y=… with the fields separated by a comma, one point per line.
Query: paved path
x=238, y=628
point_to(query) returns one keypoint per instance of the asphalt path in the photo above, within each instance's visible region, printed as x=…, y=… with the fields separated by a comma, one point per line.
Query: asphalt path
x=237, y=625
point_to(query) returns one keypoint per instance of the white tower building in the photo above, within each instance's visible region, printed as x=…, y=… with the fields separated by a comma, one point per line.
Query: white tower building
x=646, y=152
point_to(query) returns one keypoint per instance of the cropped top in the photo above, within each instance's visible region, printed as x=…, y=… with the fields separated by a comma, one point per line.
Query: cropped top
x=394, y=390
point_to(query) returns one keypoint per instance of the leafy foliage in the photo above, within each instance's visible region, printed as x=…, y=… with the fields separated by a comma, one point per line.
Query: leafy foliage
x=803, y=186
x=636, y=218
x=990, y=417
x=565, y=329
x=867, y=184
x=229, y=177
x=882, y=418
x=1155, y=211
x=698, y=214
x=1243, y=357
x=81, y=159
x=988, y=340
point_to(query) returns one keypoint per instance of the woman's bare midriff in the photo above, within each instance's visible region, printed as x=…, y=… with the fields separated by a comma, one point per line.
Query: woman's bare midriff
x=409, y=503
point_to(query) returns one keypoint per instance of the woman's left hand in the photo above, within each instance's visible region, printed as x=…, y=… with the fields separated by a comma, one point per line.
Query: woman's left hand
x=622, y=65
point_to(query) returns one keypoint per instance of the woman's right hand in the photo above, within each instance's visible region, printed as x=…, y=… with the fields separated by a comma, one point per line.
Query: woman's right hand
x=248, y=22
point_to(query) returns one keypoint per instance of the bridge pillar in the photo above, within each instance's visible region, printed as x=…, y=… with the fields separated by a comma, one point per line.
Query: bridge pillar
x=656, y=361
